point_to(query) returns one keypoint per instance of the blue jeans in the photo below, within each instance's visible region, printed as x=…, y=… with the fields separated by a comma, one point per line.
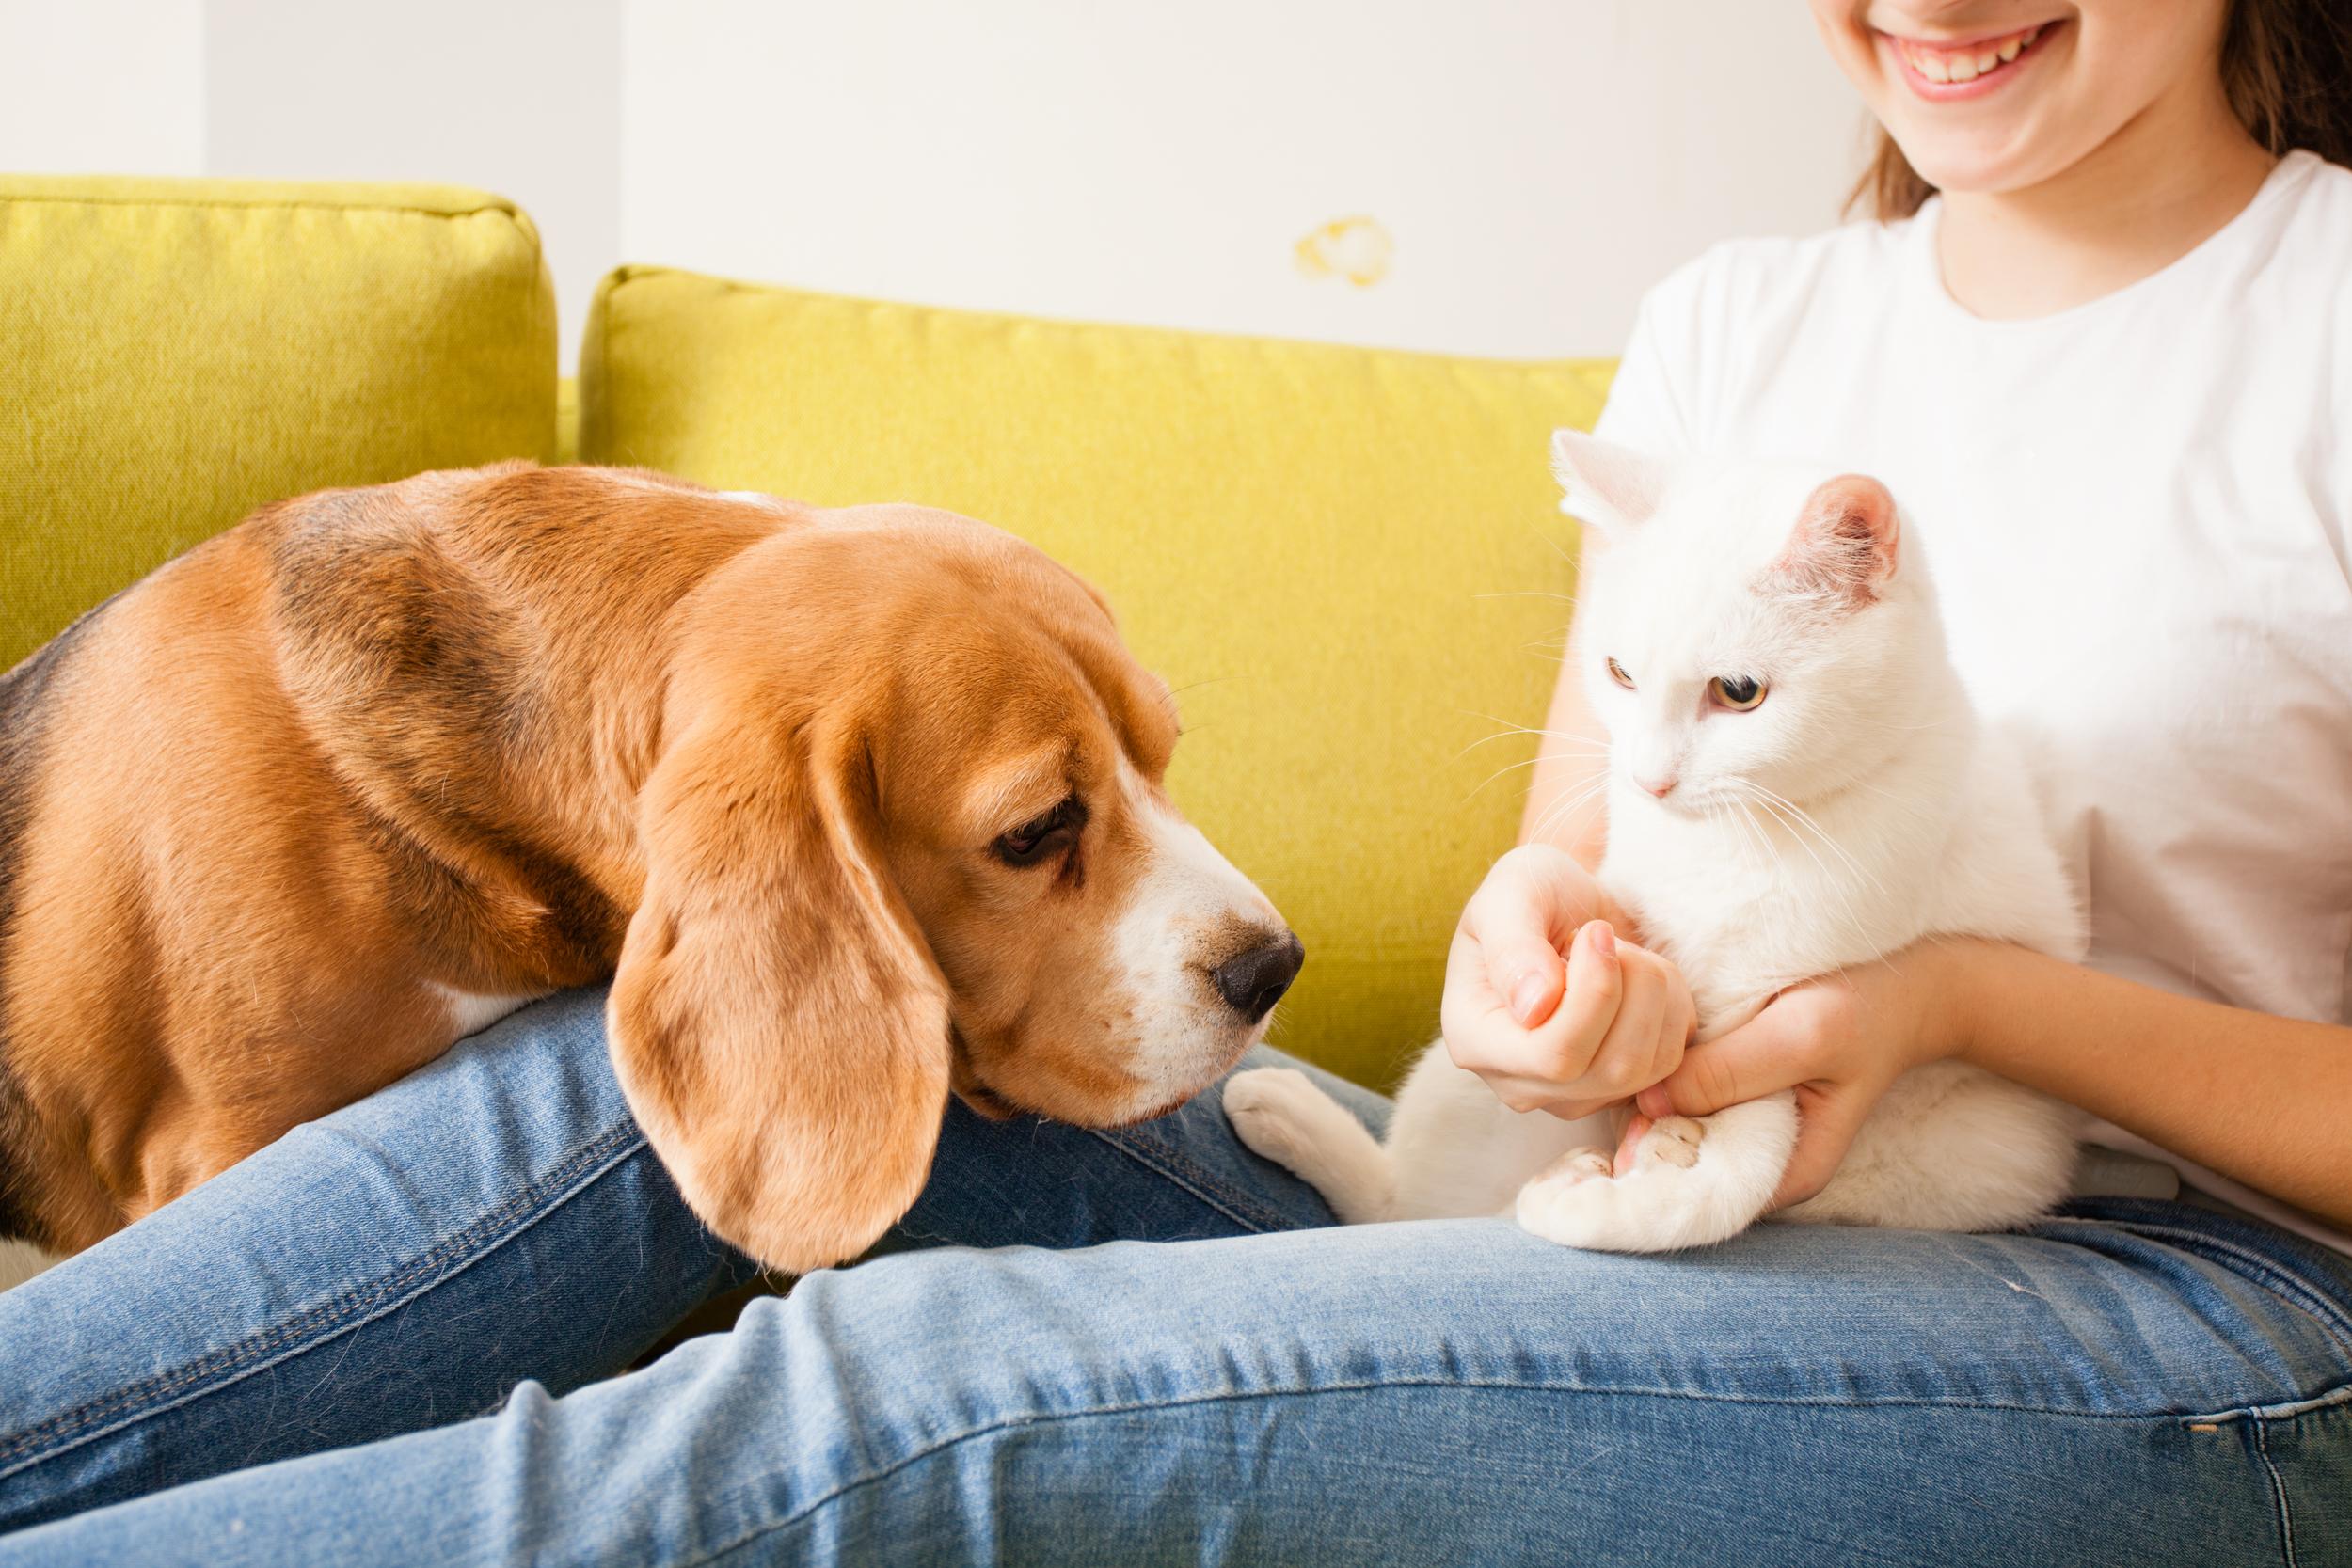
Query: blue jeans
x=375, y=1341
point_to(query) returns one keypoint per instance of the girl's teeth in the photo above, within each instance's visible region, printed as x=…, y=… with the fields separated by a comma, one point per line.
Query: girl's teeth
x=1943, y=66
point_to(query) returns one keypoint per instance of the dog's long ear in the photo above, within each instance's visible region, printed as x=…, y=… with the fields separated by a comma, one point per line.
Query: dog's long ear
x=777, y=1023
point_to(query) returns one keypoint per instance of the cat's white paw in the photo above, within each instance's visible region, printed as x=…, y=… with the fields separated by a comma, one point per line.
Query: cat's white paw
x=1663, y=1201
x=1599, y=1213
x=1670, y=1141
x=1577, y=1164
x=1278, y=1111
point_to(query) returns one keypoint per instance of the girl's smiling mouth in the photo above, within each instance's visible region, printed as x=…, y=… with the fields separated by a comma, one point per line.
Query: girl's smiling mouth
x=1971, y=68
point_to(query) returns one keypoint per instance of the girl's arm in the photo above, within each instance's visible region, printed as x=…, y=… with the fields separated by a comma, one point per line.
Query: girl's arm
x=1564, y=807
x=2263, y=1099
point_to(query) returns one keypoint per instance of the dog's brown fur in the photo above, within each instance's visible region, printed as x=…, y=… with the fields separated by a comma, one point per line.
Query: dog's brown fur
x=518, y=729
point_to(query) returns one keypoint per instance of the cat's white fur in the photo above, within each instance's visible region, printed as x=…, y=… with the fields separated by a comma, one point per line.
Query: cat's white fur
x=1861, y=806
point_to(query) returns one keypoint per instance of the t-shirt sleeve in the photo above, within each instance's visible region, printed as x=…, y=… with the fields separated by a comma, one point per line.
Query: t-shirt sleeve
x=1647, y=407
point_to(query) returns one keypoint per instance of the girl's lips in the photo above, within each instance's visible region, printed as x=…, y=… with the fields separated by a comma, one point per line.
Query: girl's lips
x=1942, y=72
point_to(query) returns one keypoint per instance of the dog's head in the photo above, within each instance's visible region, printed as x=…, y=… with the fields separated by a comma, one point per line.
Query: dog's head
x=907, y=835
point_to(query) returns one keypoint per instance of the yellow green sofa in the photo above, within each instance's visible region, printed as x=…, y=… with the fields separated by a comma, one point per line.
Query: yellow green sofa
x=1349, y=562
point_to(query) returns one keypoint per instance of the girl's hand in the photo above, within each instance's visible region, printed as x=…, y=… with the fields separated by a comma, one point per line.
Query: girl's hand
x=1838, y=1041
x=1544, y=1000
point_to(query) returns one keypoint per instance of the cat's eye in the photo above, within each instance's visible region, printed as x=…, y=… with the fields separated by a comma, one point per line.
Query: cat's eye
x=1038, y=840
x=1735, y=692
x=1617, y=673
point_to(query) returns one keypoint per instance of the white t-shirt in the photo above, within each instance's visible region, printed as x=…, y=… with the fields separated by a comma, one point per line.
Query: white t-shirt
x=2138, y=512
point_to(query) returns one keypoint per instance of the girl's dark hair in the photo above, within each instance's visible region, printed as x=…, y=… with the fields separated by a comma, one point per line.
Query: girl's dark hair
x=2287, y=67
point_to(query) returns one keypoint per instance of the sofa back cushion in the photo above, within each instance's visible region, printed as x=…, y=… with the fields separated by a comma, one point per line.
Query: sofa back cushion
x=177, y=351
x=1348, y=563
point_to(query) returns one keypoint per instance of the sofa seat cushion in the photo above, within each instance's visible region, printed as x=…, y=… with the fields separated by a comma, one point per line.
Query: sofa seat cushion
x=180, y=351
x=1349, y=563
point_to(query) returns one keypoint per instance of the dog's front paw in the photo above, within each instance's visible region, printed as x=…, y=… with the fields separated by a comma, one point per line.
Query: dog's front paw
x=1276, y=1110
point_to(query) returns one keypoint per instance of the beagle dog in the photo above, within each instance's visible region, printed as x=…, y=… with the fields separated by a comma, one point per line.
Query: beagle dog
x=855, y=809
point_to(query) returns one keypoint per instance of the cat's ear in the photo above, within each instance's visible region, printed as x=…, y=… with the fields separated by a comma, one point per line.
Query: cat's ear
x=1843, y=548
x=1615, y=488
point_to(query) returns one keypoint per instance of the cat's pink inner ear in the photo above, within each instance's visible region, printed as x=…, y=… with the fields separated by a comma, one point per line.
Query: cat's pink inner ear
x=1609, y=486
x=1844, y=544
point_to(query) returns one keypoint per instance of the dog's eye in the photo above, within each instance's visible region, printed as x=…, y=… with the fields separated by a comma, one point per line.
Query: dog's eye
x=1038, y=841
x=1736, y=693
x=1617, y=673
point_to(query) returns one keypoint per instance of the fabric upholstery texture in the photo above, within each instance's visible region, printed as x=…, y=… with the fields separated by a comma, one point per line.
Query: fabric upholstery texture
x=174, y=352
x=1349, y=563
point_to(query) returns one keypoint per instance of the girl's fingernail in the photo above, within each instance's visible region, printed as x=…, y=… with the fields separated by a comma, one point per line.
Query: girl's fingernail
x=1604, y=939
x=1655, y=1102
x=1526, y=997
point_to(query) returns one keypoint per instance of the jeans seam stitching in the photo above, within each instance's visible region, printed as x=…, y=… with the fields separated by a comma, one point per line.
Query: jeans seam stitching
x=2258, y=1271
x=1230, y=1201
x=1239, y=1395
x=353, y=1308
x=2278, y=1490
x=2286, y=1411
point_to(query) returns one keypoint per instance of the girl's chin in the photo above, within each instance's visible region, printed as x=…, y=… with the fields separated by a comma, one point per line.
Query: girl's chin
x=1985, y=162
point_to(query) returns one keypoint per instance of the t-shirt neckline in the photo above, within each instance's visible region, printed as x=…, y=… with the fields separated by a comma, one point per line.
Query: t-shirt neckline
x=2291, y=170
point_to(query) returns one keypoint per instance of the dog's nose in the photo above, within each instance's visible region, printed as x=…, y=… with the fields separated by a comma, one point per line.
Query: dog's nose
x=1253, y=982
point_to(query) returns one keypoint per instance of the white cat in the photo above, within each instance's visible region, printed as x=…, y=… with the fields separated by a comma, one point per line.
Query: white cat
x=1796, y=784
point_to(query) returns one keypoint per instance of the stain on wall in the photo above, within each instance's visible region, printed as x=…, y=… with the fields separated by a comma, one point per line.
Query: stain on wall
x=1358, y=249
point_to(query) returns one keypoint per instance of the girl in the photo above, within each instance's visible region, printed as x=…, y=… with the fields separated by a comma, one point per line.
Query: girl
x=2099, y=340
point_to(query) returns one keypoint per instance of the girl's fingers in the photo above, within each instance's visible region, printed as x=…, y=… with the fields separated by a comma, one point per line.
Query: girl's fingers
x=1825, y=1129
x=1521, y=916
x=1629, y=1140
x=1577, y=1110
x=1531, y=1069
x=1596, y=993
x=1754, y=1060
x=1621, y=1065
x=1674, y=1033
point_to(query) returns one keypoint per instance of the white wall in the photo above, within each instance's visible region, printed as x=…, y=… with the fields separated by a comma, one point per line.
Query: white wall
x=1533, y=164
x=101, y=85
x=522, y=97
x=1529, y=163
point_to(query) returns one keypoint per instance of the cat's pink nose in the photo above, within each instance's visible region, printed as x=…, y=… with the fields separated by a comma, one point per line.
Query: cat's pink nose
x=1660, y=787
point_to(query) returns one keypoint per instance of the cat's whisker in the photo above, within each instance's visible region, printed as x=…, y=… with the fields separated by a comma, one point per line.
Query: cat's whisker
x=1515, y=767
x=1853, y=922
x=1798, y=822
x=1573, y=800
x=1557, y=549
x=1727, y=811
x=1752, y=832
x=1857, y=721
x=1765, y=848
x=1828, y=841
x=1508, y=730
x=1566, y=806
